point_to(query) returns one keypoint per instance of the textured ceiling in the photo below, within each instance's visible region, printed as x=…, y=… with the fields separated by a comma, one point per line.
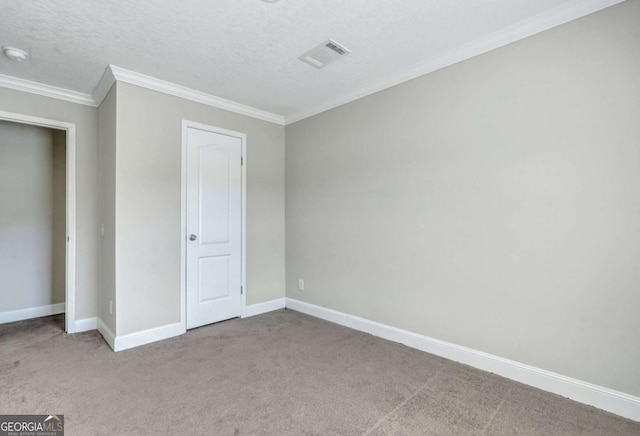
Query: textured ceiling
x=246, y=50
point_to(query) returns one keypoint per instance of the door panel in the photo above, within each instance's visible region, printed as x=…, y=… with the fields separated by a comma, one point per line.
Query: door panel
x=214, y=278
x=214, y=169
x=214, y=227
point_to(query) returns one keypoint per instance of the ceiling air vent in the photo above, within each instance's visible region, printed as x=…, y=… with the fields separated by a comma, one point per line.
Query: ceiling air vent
x=324, y=54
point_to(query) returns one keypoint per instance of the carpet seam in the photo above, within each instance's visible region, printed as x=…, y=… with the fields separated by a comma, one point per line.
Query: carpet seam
x=401, y=405
x=484, y=430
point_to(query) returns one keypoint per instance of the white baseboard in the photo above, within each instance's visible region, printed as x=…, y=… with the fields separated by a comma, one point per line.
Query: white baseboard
x=85, y=325
x=106, y=333
x=124, y=342
x=603, y=398
x=267, y=306
x=32, y=312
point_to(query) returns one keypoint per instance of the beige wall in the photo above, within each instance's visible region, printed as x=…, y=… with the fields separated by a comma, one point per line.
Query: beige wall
x=148, y=165
x=85, y=119
x=494, y=204
x=32, y=216
x=107, y=208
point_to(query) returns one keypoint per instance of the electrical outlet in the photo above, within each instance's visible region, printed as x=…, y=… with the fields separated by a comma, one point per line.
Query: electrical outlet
x=102, y=230
x=301, y=285
x=111, y=307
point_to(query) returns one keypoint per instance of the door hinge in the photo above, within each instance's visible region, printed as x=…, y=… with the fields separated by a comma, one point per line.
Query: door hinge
x=241, y=160
x=241, y=290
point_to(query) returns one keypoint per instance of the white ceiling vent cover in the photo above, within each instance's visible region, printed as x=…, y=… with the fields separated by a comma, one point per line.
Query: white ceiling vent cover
x=324, y=54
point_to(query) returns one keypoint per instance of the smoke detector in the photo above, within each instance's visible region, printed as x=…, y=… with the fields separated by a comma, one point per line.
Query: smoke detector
x=15, y=54
x=324, y=54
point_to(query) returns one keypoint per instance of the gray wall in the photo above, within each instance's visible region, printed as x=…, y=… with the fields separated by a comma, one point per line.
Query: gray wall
x=494, y=204
x=32, y=216
x=149, y=135
x=58, y=189
x=107, y=207
x=86, y=179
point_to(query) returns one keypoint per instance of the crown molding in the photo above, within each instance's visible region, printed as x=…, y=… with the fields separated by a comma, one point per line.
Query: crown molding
x=46, y=90
x=104, y=85
x=115, y=73
x=555, y=17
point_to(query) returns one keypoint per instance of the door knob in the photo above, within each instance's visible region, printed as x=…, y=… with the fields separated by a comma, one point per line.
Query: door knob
x=192, y=237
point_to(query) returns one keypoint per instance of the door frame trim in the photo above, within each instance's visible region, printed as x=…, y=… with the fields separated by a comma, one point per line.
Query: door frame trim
x=186, y=124
x=70, y=261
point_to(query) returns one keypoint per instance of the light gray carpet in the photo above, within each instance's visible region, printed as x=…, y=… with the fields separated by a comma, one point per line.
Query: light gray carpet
x=282, y=373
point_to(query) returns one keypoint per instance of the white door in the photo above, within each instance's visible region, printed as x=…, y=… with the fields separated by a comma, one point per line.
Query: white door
x=213, y=226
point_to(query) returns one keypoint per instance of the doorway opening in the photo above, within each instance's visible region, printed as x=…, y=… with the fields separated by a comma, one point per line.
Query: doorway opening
x=37, y=220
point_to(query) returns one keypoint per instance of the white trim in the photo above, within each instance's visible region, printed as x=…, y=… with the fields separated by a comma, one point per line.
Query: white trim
x=70, y=273
x=560, y=15
x=183, y=225
x=106, y=333
x=32, y=312
x=267, y=306
x=70, y=317
x=104, y=85
x=124, y=342
x=46, y=90
x=114, y=73
x=183, y=215
x=243, y=237
x=598, y=396
x=87, y=324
